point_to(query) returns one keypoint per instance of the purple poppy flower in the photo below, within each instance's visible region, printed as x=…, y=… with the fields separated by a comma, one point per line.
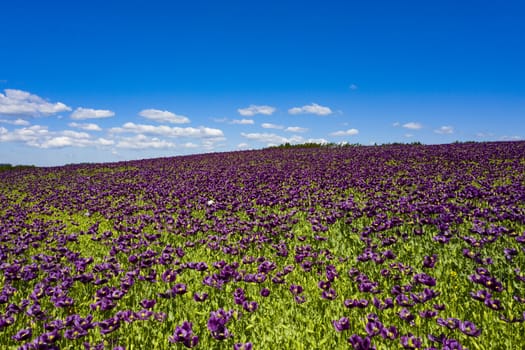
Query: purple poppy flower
x=299, y=299
x=481, y=295
x=23, y=334
x=494, y=304
x=179, y=289
x=265, y=292
x=410, y=341
x=425, y=279
x=250, y=306
x=242, y=346
x=430, y=261
x=184, y=334
x=389, y=332
x=324, y=285
x=405, y=315
x=148, y=303
x=359, y=343
x=75, y=333
x=296, y=289
x=329, y=294
x=469, y=328
x=200, y=297
x=373, y=328
x=342, y=324
x=109, y=325
x=428, y=313
x=450, y=323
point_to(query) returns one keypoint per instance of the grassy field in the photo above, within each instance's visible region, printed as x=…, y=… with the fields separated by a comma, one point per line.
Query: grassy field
x=386, y=247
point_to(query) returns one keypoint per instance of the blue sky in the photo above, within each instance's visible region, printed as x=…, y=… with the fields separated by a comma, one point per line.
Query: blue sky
x=99, y=81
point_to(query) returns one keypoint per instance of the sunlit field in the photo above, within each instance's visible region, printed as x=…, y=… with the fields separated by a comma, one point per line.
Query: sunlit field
x=377, y=247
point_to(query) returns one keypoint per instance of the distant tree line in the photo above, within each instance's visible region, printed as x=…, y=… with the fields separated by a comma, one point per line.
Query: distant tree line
x=6, y=167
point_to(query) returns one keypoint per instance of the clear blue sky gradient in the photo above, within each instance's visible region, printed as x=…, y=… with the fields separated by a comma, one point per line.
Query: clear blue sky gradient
x=386, y=71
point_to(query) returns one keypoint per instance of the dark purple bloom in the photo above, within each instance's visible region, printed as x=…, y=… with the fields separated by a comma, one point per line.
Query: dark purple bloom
x=250, y=306
x=389, y=332
x=469, y=328
x=429, y=261
x=296, y=289
x=299, y=299
x=23, y=334
x=184, y=334
x=148, y=303
x=425, y=279
x=324, y=285
x=373, y=328
x=481, y=295
x=217, y=324
x=405, y=315
x=242, y=346
x=494, y=304
x=109, y=325
x=450, y=323
x=329, y=294
x=200, y=297
x=265, y=292
x=428, y=313
x=342, y=324
x=410, y=341
x=359, y=343
x=179, y=288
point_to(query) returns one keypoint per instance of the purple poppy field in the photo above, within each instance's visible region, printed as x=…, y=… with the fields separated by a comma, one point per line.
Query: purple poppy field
x=376, y=247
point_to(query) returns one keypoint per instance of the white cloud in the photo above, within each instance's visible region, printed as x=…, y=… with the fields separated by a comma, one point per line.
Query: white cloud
x=85, y=126
x=313, y=108
x=143, y=142
x=272, y=126
x=272, y=138
x=17, y=122
x=242, y=121
x=408, y=135
x=511, y=138
x=89, y=113
x=18, y=102
x=353, y=87
x=349, y=132
x=243, y=145
x=396, y=124
x=296, y=129
x=164, y=116
x=254, y=109
x=413, y=126
x=445, y=130
x=40, y=137
x=167, y=131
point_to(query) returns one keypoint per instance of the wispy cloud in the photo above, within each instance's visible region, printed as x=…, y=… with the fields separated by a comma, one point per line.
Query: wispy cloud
x=41, y=137
x=144, y=142
x=85, y=126
x=271, y=138
x=296, y=129
x=18, y=122
x=163, y=116
x=353, y=87
x=18, y=102
x=168, y=131
x=255, y=109
x=349, y=132
x=89, y=113
x=313, y=108
x=413, y=126
x=272, y=126
x=242, y=121
x=445, y=130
